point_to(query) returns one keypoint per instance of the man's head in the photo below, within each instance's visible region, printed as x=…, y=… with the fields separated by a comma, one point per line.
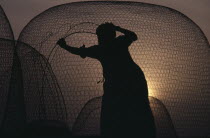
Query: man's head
x=106, y=33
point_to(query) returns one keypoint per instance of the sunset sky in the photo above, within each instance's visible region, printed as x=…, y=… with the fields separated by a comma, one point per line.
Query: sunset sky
x=20, y=12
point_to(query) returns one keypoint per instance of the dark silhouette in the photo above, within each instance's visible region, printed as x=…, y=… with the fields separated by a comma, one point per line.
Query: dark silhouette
x=125, y=104
x=46, y=128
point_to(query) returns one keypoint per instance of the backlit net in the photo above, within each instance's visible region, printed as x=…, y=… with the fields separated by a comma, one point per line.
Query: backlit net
x=171, y=50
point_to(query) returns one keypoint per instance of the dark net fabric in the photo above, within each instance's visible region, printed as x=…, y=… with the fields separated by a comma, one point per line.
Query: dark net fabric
x=88, y=120
x=43, y=98
x=171, y=50
x=5, y=28
x=28, y=87
x=6, y=62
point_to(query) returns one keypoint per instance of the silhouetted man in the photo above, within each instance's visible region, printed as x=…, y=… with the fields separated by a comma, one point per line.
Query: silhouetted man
x=125, y=105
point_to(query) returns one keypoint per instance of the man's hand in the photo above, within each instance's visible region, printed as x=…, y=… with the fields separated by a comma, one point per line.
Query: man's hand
x=112, y=25
x=62, y=43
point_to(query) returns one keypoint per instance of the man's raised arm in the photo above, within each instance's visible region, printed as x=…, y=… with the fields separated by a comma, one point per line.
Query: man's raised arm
x=82, y=51
x=127, y=33
x=62, y=43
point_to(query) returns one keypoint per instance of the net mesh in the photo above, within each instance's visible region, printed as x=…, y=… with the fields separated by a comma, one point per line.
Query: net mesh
x=88, y=120
x=6, y=61
x=171, y=50
x=28, y=88
x=30, y=91
x=5, y=28
x=43, y=98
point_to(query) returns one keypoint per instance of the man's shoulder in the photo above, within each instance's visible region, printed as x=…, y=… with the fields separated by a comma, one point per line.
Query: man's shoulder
x=121, y=39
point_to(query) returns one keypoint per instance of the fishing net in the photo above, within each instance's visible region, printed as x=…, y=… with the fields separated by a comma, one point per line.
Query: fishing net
x=88, y=120
x=5, y=28
x=171, y=49
x=6, y=61
x=28, y=88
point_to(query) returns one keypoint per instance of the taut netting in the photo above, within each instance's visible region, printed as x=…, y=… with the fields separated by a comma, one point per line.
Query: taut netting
x=88, y=120
x=171, y=50
x=6, y=61
x=5, y=28
x=28, y=87
x=31, y=90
